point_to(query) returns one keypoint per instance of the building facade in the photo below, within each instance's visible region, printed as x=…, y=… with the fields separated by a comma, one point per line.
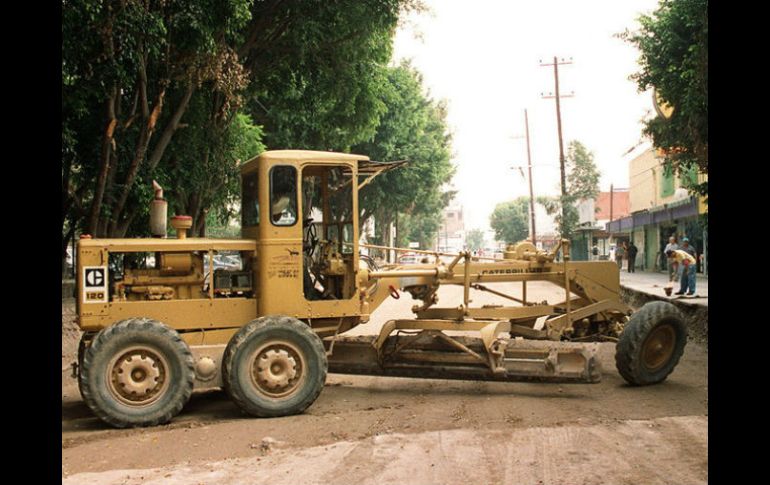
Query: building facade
x=661, y=206
x=594, y=215
x=451, y=235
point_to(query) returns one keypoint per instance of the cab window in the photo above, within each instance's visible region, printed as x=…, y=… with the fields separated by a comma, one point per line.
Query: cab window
x=283, y=195
x=250, y=200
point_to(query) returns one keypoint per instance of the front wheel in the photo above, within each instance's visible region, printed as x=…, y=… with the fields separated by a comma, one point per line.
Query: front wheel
x=274, y=366
x=651, y=344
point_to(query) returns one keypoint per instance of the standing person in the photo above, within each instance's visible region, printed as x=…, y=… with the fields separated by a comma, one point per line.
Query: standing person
x=632, y=250
x=686, y=264
x=595, y=252
x=671, y=263
x=620, y=251
x=687, y=248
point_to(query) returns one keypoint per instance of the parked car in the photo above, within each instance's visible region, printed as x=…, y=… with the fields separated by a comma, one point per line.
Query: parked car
x=223, y=261
x=409, y=259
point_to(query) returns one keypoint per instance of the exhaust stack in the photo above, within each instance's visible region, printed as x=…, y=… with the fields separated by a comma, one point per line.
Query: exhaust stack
x=158, y=212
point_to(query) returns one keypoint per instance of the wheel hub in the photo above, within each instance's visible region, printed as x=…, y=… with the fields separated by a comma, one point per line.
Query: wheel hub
x=659, y=347
x=277, y=369
x=138, y=376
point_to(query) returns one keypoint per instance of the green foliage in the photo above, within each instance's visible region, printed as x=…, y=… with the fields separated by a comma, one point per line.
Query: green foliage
x=223, y=222
x=413, y=128
x=421, y=228
x=129, y=72
x=160, y=90
x=582, y=174
x=510, y=220
x=474, y=239
x=582, y=183
x=203, y=165
x=318, y=84
x=673, y=43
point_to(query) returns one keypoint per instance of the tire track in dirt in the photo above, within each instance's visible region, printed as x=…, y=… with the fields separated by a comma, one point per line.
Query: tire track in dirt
x=661, y=451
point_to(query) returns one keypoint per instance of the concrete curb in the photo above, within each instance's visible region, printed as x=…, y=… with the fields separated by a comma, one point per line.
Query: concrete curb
x=696, y=316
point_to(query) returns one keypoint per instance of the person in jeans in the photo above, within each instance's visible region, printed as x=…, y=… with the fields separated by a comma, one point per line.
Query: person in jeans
x=632, y=250
x=687, y=270
x=671, y=264
x=620, y=251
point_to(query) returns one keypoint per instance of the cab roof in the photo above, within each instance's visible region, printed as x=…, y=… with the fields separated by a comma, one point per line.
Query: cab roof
x=366, y=167
x=314, y=155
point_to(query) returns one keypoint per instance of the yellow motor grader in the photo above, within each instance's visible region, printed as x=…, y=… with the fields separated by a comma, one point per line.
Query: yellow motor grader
x=165, y=316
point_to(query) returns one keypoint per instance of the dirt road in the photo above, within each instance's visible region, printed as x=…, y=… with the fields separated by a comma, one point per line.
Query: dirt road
x=396, y=430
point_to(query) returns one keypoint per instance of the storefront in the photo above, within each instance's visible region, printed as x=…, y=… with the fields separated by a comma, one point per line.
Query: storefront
x=651, y=229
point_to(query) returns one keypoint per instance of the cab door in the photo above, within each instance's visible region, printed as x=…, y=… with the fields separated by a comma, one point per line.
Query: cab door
x=330, y=259
x=280, y=241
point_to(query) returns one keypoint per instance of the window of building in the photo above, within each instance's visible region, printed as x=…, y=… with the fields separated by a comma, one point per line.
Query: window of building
x=690, y=177
x=667, y=185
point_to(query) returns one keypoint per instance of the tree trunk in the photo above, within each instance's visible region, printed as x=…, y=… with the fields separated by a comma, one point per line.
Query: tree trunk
x=122, y=227
x=65, y=242
x=96, y=205
x=398, y=233
x=201, y=223
x=171, y=127
x=141, y=150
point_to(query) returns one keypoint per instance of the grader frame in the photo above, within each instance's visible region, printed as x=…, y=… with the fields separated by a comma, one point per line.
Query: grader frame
x=494, y=358
x=152, y=334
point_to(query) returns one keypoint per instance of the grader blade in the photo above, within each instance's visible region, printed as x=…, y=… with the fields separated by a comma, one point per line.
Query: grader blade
x=430, y=355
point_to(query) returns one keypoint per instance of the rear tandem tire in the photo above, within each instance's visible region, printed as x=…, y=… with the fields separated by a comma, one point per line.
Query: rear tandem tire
x=651, y=344
x=137, y=372
x=274, y=366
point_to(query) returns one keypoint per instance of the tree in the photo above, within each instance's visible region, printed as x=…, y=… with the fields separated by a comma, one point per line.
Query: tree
x=129, y=72
x=673, y=43
x=420, y=228
x=510, y=220
x=582, y=184
x=145, y=82
x=474, y=239
x=320, y=69
x=413, y=128
x=203, y=168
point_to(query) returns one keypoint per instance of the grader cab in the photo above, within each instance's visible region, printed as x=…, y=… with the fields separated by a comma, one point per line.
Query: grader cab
x=165, y=316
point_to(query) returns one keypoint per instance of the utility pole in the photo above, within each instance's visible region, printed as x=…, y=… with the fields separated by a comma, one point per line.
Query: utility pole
x=612, y=199
x=555, y=65
x=531, y=192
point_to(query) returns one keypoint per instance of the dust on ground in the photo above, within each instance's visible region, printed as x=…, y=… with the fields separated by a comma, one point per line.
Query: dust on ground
x=607, y=432
x=627, y=452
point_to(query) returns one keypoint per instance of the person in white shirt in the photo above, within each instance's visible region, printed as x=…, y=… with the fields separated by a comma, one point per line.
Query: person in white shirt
x=670, y=263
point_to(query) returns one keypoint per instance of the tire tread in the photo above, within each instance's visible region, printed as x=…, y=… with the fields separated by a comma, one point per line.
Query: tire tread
x=240, y=338
x=126, y=326
x=628, y=356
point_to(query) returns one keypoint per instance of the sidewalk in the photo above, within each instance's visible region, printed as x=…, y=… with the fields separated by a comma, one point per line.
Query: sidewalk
x=653, y=283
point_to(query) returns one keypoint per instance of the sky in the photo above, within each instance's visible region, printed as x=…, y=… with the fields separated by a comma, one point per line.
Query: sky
x=484, y=57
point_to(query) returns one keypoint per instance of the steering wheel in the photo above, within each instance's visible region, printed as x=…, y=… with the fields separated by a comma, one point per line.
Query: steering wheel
x=311, y=239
